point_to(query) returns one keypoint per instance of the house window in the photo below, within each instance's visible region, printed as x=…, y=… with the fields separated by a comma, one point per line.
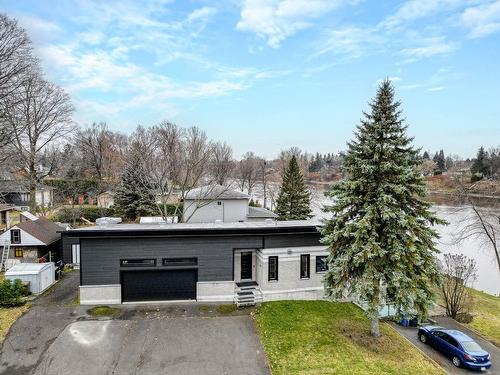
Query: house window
x=272, y=268
x=321, y=264
x=75, y=253
x=138, y=262
x=219, y=203
x=18, y=252
x=15, y=236
x=305, y=261
x=178, y=262
x=25, y=197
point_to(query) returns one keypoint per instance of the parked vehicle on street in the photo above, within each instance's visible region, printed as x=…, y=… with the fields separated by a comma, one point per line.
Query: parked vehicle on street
x=460, y=348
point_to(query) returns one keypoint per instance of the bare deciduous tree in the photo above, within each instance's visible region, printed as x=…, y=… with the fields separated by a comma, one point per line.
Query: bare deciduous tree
x=101, y=149
x=175, y=159
x=15, y=61
x=15, y=55
x=427, y=167
x=459, y=274
x=247, y=172
x=222, y=163
x=483, y=224
x=37, y=114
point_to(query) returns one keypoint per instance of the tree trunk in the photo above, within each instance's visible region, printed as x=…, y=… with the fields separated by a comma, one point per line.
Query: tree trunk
x=375, y=329
x=32, y=185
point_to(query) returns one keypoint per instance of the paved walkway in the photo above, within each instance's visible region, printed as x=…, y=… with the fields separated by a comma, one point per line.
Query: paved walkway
x=411, y=334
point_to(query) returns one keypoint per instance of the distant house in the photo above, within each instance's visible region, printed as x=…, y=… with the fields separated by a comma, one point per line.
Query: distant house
x=106, y=199
x=214, y=203
x=32, y=240
x=8, y=216
x=17, y=193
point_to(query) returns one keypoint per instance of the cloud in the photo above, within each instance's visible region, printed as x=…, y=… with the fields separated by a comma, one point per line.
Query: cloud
x=201, y=14
x=438, y=81
x=348, y=41
x=431, y=47
x=482, y=20
x=276, y=20
x=415, y=9
x=437, y=88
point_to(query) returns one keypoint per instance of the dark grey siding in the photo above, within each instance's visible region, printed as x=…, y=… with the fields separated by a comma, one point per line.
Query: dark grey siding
x=291, y=240
x=100, y=258
x=66, y=247
x=100, y=254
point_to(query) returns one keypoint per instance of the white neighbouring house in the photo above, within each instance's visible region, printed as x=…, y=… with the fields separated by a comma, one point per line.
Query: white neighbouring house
x=217, y=203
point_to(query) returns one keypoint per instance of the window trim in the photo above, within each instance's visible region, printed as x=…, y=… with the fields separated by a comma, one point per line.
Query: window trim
x=12, y=235
x=316, y=263
x=136, y=265
x=276, y=277
x=17, y=251
x=180, y=262
x=308, y=263
x=75, y=253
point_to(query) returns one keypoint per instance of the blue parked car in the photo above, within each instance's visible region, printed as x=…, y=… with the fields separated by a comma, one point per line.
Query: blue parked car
x=462, y=349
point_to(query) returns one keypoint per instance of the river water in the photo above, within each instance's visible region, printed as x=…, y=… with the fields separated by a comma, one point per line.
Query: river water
x=488, y=275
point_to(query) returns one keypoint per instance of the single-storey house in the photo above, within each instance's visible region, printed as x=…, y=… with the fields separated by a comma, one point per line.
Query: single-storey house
x=242, y=262
x=106, y=199
x=212, y=203
x=17, y=193
x=31, y=241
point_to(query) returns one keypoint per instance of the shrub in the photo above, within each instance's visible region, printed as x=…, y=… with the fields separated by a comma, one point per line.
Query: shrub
x=464, y=317
x=71, y=215
x=11, y=293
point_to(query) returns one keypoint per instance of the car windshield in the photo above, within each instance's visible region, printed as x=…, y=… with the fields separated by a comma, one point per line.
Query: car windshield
x=471, y=346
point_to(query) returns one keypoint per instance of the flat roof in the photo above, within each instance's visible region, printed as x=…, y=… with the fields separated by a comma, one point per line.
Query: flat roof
x=27, y=268
x=188, y=227
x=195, y=226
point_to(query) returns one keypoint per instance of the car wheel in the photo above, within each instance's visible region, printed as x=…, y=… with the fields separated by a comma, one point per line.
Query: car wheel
x=423, y=338
x=456, y=361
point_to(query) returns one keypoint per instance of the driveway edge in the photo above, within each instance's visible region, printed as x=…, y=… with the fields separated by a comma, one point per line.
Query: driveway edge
x=268, y=364
x=416, y=347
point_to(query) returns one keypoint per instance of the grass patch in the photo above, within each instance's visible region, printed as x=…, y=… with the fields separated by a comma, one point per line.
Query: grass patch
x=486, y=312
x=319, y=337
x=205, y=308
x=74, y=303
x=226, y=309
x=8, y=315
x=104, y=311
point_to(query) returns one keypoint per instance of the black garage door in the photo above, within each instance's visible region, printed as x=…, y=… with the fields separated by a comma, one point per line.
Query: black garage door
x=158, y=285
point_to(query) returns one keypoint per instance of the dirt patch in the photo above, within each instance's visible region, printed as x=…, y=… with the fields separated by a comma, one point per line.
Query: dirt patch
x=361, y=337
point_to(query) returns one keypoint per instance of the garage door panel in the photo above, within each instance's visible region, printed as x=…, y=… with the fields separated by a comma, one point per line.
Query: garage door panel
x=158, y=285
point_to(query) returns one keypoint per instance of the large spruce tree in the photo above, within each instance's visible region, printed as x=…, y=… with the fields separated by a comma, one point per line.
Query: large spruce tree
x=294, y=199
x=380, y=233
x=134, y=196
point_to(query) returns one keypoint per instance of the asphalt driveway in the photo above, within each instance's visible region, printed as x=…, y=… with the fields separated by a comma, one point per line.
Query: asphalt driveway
x=56, y=336
x=411, y=334
x=225, y=345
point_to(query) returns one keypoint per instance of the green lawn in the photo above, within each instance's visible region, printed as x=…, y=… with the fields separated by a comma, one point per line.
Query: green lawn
x=318, y=337
x=486, y=316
